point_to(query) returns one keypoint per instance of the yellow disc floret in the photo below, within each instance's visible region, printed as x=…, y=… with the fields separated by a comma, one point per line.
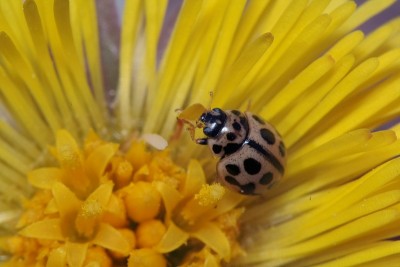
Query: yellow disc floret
x=102, y=206
x=142, y=201
x=146, y=258
x=149, y=233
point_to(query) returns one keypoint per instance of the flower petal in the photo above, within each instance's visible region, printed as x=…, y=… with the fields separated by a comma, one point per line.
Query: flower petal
x=51, y=207
x=76, y=253
x=192, y=112
x=195, y=178
x=68, y=153
x=66, y=200
x=211, y=260
x=57, y=258
x=170, y=196
x=108, y=237
x=227, y=203
x=44, y=178
x=46, y=229
x=98, y=160
x=102, y=193
x=172, y=239
x=214, y=238
x=378, y=251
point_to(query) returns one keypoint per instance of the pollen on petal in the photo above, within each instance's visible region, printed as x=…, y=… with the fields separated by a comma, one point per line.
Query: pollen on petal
x=210, y=194
x=88, y=217
x=68, y=152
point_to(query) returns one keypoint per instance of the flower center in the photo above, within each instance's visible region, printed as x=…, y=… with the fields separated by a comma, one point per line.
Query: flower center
x=88, y=218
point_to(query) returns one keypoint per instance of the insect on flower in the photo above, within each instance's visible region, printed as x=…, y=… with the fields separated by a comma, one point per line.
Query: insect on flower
x=252, y=153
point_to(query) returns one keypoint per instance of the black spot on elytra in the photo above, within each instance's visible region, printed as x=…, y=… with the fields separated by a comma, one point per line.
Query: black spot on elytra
x=230, y=136
x=247, y=189
x=258, y=119
x=252, y=166
x=282, y=149
x=267, y=178
x=236, y=126
x=236, y=112
x=233, y=169
x=231, y=180
x=217, y=149
x=267, y=155
x=268, y=136
x=231, y=148
x=243, y=121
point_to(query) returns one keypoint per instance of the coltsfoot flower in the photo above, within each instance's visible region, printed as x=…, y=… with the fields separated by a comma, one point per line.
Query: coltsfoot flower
x=95, y=171
x=157, y=212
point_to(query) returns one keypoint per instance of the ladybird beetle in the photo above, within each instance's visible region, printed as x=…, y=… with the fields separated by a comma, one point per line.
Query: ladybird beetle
x=252, y=153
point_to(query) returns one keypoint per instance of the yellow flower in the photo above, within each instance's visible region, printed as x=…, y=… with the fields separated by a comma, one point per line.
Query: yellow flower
x=74, y=211
x=118, y=193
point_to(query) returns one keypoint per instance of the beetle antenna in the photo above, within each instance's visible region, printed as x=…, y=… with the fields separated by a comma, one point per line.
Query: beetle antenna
x=211, y=99
x=248, y=105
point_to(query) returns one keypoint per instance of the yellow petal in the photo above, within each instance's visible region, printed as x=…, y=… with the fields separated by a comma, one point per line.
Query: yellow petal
x=214, y=238
x=98, y=160
x=171, y=62
x=378, y=251
x=110, y=238
x=299, y=84
x=76, y=253
x=345, y=87
x=229, y=201
x=51, y=207
x=68, y=153
x=194, y=179
x=172, y=239
x=170, y=196
x=57, y=258
x=364, y=12
x=46, y=63
x=44, y=178
x=102, y=194
x=211, y=260
x=192, y=112
x=46, y=229
x=146, y=257
x=66, y=200
x=363, y=208
x=63, y=19
x=141, y=174
x=130, y=20
x=240, y=68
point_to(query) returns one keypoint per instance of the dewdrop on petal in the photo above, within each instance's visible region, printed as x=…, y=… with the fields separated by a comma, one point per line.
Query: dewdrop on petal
x=149, y=233
x=142, y=201
x=146, y=257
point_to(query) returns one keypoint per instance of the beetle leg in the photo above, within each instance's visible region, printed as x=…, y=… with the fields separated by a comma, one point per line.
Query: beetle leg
x=202, y=141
